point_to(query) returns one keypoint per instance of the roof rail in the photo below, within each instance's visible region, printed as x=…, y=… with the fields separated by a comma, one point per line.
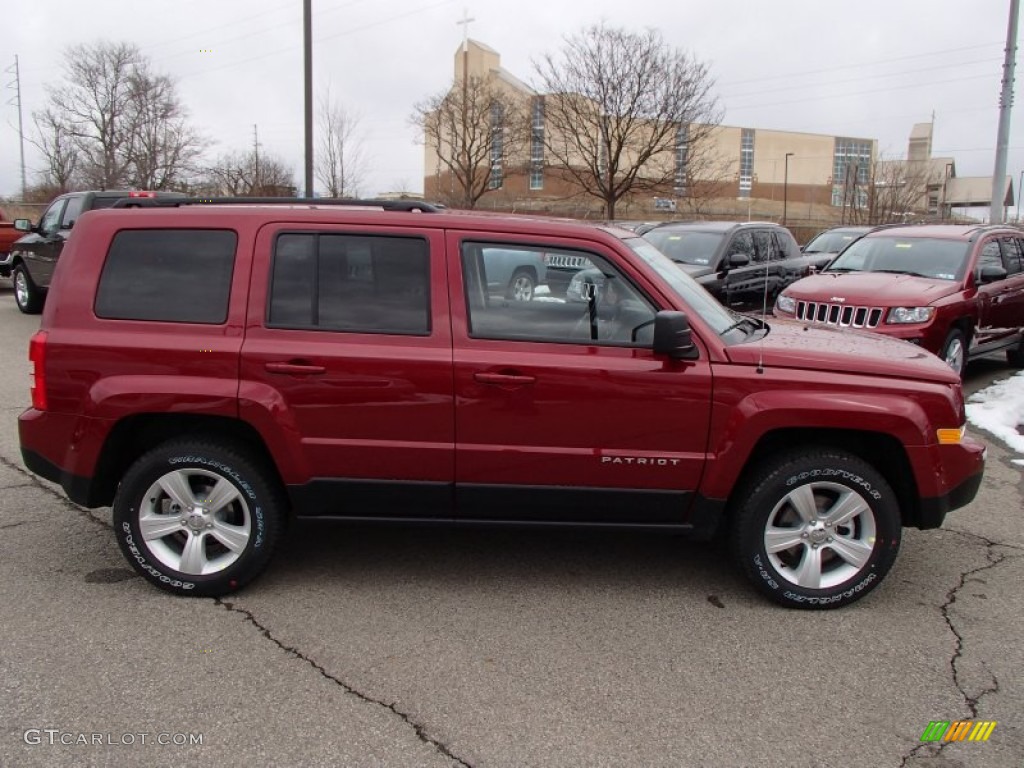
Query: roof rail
x=387, y=205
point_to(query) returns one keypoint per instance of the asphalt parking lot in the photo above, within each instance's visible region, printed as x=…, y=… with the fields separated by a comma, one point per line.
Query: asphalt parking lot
x=368, y=646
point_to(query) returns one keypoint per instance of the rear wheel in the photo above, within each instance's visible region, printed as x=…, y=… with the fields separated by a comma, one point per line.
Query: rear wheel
x=816, y=529
x=197, y=517
x=954, y=351
x=26, y=295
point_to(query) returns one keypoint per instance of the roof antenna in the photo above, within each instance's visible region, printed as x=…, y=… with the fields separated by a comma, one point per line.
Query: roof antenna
x=764, y=314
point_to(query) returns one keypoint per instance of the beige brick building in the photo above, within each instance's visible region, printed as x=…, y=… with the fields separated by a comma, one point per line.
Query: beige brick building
x=744, y=167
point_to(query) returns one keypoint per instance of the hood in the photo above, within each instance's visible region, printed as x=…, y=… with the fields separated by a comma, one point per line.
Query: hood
x=793, y=344
x=871, y=289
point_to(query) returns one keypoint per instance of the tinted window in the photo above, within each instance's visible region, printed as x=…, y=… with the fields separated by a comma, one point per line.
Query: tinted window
x=356, y=283
x=71, y=212
x=743, y=242
x=1012, y=255
x=48, y=224
x=766, y=249
x=990, y=256
x=174, y=275
x=599, y=305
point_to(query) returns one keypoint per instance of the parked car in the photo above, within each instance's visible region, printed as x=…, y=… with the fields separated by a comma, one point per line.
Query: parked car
x=514, y=274
x=214, y=369
x=825, y=245
x=955, y=290
x=743, y=265
x=34, y=256
x=8, y=234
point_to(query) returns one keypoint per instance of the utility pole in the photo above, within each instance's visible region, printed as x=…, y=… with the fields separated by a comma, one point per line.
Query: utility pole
x=307, y=39
x=21, y=131
x=1005, y=104
x=256, y=184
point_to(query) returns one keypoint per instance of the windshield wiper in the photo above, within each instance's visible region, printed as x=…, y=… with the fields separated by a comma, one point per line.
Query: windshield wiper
x=900, y=272
x=840, y=269
x=743, y=319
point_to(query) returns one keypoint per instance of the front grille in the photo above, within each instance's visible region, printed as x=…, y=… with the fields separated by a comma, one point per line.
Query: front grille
x=566, y=262
x=839, y=314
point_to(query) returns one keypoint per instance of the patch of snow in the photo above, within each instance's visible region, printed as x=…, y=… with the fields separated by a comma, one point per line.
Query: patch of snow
x=999, y=410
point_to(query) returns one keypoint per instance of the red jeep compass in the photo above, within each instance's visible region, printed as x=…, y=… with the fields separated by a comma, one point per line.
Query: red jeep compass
x=213, y=370
x=957, y=291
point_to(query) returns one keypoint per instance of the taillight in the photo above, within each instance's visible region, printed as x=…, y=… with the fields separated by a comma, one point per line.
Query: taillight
x=37, y=356
x=140, y=193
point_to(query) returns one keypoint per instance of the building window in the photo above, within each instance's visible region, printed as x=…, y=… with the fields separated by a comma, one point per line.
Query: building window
x=746, y=162
x=851, y=169
x=497, y=146
x=537, y=145
x=682, y=136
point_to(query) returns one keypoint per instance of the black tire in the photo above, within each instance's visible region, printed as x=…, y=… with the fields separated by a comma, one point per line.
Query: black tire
x=521, y=286
x=27, y=295
x=824, y=477
x=250, y=519
x=955, y=340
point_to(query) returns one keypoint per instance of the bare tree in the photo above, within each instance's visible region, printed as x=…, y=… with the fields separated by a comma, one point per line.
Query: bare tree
x=474, y=128
x=619, y=105
x=248, y=174
x=340, y=166
x=894, y=192
x=57, y=146
x=127, y=124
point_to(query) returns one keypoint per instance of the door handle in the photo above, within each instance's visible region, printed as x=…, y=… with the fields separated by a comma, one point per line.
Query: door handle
x=295, y=369
x=503, y=378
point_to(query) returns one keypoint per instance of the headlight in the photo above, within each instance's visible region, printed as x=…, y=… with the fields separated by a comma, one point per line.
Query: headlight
x=911, y=314
x=786, y=304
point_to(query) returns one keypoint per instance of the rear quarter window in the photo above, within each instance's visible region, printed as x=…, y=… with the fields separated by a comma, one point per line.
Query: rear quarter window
x=169, y=275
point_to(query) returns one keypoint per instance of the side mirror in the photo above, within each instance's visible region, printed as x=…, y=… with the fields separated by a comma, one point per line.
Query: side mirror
x=737, y=259
x=990, y=274
x=23, y=225
x=672, y=336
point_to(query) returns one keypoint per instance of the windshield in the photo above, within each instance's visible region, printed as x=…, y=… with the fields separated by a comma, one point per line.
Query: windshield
x=684, y=246
x=831, y=242
x=921, y=256
x=702, y=302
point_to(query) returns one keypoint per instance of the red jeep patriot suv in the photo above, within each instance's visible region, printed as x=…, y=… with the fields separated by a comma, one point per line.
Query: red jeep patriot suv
x=212, y=370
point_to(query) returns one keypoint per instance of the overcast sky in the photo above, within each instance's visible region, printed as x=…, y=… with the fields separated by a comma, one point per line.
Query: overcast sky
x=867, y=69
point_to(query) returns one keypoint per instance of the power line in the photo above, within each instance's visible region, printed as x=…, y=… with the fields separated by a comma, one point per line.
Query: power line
x=865, y=77
x=291, y=49
x=860, y=64
x=859, y=93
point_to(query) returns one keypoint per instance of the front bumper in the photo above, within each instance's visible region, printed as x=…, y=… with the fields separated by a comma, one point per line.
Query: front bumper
x=959, y=470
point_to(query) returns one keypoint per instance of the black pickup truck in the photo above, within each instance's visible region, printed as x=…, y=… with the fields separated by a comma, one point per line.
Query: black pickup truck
x=34, y=256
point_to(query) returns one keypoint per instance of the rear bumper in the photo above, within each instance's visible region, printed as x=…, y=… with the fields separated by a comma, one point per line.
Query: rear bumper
x=63, y=449
x=77, y=488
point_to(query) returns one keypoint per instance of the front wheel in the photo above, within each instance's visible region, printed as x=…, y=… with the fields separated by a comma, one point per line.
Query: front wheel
x=27, y=295
x=197, y=518
x=816, y=529
x=521, y=286
x=954, y=351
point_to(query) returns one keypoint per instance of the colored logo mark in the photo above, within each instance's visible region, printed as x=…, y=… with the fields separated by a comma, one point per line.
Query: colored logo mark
x=959, y=730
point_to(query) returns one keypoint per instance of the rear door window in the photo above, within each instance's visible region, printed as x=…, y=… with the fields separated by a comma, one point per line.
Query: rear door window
x=354, y=283
x=169, y=275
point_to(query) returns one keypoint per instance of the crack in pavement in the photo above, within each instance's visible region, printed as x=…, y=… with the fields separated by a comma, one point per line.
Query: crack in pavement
x=35, y=482
x=22, y=522
x=994, y=558
x=419, y=729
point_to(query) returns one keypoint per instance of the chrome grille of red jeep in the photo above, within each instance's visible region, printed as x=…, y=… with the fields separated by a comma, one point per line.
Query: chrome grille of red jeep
x=840, y=315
